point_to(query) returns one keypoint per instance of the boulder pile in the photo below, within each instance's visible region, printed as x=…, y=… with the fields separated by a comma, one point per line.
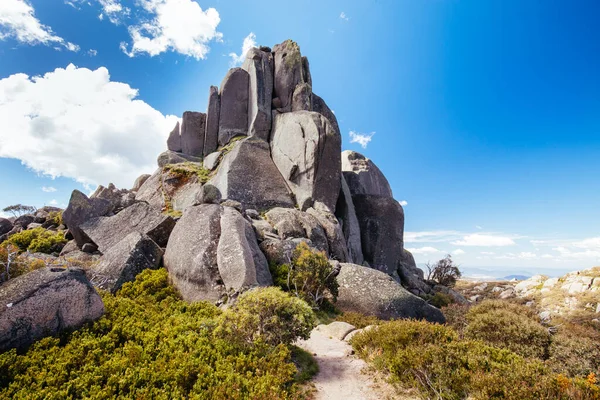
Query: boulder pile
x=240, y=186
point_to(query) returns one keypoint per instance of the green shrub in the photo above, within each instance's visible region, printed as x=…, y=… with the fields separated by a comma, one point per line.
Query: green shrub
x=575, y=352
x=149, y=345
x=38, y=240
x=358, y=320
x=432, y=358
x=12, y=266
x=55, y=217
x=310, y=276
x=508, y=325
x=188, y=169
x=439, y=299
x=456, y=316
x=268, y=315
x=305, y=363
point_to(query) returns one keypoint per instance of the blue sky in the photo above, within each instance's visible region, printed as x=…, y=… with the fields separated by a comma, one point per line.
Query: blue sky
x=485, y=113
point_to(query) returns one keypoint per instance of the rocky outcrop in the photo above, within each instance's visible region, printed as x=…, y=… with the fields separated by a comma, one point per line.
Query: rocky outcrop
x=82, y=209
x=259, y=65
x=45, y=302
x=193, y=127
x=171, y=157
x=335, y=237
x=5, y=226
x=211, y=136
x=346, y=214
x=106, y=232
x=372, y=292
x=381, y=221
x=363, y=176
x=233, y=117
x=139, y=182
x=319, y=105
x=248, y=175
x=241, y=263
x=306, y=149
x=288, y=74
x=174, y=140
x=290, y=223
x=118, y=198
x=123, y=261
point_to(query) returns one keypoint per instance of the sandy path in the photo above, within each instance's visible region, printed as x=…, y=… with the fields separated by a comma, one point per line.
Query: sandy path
x=340, y=374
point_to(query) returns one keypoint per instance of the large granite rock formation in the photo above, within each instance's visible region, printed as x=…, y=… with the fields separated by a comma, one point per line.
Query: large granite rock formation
x=233, y=118
x=259, y=65
x=363, y=176
x=45, y=302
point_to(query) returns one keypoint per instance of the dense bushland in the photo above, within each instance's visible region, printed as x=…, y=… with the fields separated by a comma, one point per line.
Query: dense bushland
x=492, y=350
x=151, y=344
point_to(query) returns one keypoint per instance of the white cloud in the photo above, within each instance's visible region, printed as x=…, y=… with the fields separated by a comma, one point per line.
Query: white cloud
x=18, y=21
x=424, y=250
x=92, y=52
x=114, y=11
x=488, y=253
x=48, y=189
x=458, y=252
x=403, y=203
x=430, y=236
x=478, y=239
x=249, y=42
x=478, y=227
x=591, y=243
x=344, y=16
x=527, y=255
x=547, y=256
x=75, y=122
x=176, y=25
x=361, y=138
x=53, y=202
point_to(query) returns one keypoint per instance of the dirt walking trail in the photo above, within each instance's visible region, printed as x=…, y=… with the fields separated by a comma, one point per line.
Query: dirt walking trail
x=342, y=375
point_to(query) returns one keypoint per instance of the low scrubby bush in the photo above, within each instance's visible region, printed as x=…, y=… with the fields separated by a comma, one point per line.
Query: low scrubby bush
x=38, y=240
x=358, y=320
x=309, y=276
x=12, y=266
x=269, y=315
x=433, y=359
x=507, y=325
x=149, y=345
x=575, y=351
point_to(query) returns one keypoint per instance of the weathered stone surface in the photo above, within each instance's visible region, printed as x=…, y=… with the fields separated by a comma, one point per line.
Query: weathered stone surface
x=337, y=329
x=373, y=292
x=193, y=127
x=233, y=118
x=118, y=198
x=106, y=232
x=290, y=223
x=363, y=176
x=80, y=210
x=301, y=100
x=241, y=263
x=263, y=229
x=259, y=65
x=411, y=276
x=89, y=248
x=151, y=190
x=211, y=160
x=174, y=140
x=280, y=251
x=248, y=175
x=191, y=254
x=5, y=226
x=24, y=220
x=344, y=211
x=306, y=150
x=45, y=302
x=211, y=136
x=170, y=157
x=333, y=230
x=287, y=74
x=70, y=247
x=139, y=182
x=123, y=261
x=306, y=76
x=319, y=105
x=381, y=221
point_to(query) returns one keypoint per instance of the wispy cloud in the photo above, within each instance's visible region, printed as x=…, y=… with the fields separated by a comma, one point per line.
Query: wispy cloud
x=424, y=250
x=458, y=252
x=403, y=203
x=18, y=21
x=344, y=16
x=248, y=43
x=482, y=240
x=53, y=202
x=361, y=138
x=48, y=189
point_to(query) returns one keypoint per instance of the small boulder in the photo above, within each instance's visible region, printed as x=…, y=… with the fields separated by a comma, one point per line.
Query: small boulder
x=24, y=220
x=106, y=232
x=290, y=223
x=336, y=330
x=372, y=292
x=45, y=302
x=211, y=161
x=5, y=226
x=139, y=182
x=89, y=248
x=80, y=210
x=123, y=261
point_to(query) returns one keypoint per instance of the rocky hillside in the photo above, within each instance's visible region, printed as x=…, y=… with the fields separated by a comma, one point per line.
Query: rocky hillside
x=237, y=189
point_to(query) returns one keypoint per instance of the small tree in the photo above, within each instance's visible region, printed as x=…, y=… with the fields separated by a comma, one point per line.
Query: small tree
x=19, y=209
x=444, y=272
x=308, y=276
x=8, y=256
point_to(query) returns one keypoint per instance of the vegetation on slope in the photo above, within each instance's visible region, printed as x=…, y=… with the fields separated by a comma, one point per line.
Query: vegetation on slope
x=151, y=344
x=493, y=350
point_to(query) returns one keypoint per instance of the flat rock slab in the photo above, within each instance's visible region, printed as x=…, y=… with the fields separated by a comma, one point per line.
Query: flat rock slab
x=341, y=375
x=337, y=330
